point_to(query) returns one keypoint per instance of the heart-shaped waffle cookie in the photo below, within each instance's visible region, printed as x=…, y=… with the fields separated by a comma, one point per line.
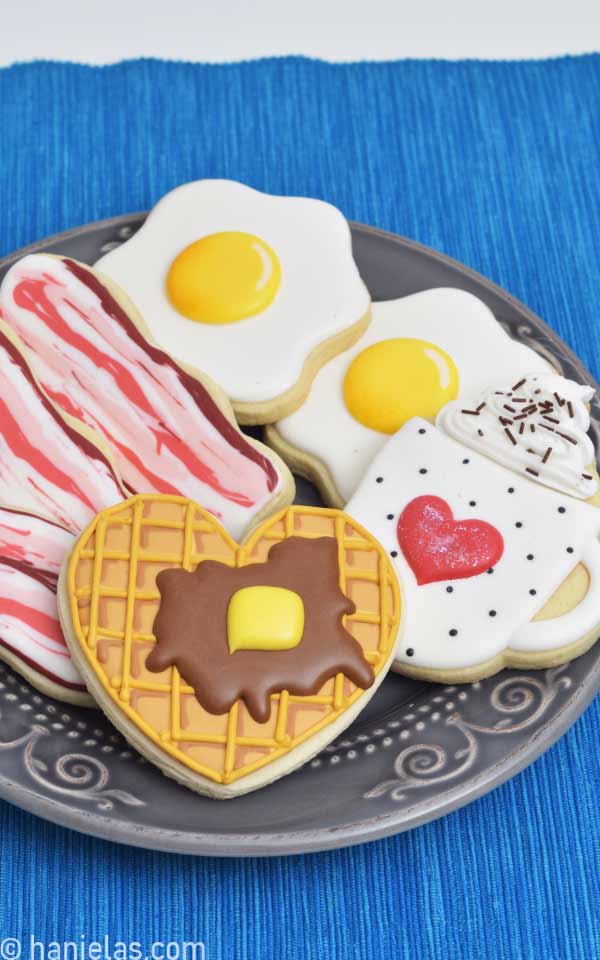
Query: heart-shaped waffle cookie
x=226, y=665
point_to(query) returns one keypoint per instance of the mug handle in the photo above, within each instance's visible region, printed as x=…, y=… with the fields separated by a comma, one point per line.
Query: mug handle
x=572, y=626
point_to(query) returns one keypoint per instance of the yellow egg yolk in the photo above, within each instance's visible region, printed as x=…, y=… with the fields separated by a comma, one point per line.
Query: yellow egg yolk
x=394, y=380
x=224, y=277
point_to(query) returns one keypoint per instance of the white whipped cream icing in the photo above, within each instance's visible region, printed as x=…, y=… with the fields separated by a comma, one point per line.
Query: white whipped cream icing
x=537, y=426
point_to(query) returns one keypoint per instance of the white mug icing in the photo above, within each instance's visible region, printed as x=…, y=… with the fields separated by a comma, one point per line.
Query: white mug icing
x=442, y=510
x=536, y=426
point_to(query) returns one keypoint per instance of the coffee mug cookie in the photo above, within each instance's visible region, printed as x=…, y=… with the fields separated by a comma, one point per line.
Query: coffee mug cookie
x=227, y=666
x=497, y=568
x=257, y=291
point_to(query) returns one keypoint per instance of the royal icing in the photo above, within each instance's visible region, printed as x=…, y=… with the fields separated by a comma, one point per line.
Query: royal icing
x=423, y=496
x=167, y=433
x=46, y=466
x=267, y=280
x=264, y=618
x=32, y=550
x=537, y=425
x=439, y=547
x=191, y=629
x=220, y=714
x=474, y=349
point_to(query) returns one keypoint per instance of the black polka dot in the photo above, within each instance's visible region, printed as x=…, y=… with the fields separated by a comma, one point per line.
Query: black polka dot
x=393, y=553
x=449, y=589
x=378, y=479
x=472, y=503
x=390, y=516
x=453, y=632
x=530, y=556
x=491, y=570
x=410, y=652
x=562, y=509
x=518, y=524
x=569, y=549
x=422, y=430
x=511, y=490
x=422, y=470
x=492, y=613
x=532, y=592
x=466, y=461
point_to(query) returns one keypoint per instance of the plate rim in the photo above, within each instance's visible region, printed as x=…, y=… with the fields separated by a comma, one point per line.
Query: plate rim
x=362, y=831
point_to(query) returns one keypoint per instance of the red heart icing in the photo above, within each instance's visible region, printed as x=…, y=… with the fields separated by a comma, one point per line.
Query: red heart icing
x=438, y=547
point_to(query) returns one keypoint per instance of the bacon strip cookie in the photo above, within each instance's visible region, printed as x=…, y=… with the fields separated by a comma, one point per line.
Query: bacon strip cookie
x=171, y=432
x=48, y=466
x=32, y=550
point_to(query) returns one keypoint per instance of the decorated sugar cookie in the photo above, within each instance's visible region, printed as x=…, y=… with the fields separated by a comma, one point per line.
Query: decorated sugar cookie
x=418, y=354
x=495, y=568
x=170, y=431
x=226, y=665
x=257, y=291
x=537, y=426
x=50, y=465
x=32, y=551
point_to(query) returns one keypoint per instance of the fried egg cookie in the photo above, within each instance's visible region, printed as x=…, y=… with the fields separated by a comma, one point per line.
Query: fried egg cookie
x=258, y=291
x=419, y=353
x=228, y=666
x=496, y=569
x=170, y=431
x=32, y=550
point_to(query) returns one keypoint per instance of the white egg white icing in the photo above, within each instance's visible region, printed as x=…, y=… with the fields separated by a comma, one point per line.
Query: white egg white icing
x=260, y=357
x=545, y=535
x=457, y=322
x=536, y=425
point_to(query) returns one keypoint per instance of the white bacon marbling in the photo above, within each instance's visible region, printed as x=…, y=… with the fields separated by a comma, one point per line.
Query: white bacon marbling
x=31, y=552
x=33, y=543
x=46, y=466
x=168, y=434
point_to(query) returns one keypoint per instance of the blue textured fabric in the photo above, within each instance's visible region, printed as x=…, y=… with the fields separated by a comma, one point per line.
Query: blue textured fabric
x=496, y=164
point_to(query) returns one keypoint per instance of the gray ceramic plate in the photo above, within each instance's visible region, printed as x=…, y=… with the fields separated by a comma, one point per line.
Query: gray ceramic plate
x=417, y=752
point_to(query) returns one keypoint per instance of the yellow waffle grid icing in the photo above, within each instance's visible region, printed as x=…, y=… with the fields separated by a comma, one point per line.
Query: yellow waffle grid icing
x=113, y=601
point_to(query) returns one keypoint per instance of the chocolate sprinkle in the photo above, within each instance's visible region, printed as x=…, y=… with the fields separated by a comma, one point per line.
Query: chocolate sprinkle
x=546, y=456
x=520, y=383
x=530, y=470
x=510, y=436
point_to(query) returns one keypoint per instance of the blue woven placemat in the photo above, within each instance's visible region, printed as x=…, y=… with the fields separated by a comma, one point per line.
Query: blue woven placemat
x=496, y=164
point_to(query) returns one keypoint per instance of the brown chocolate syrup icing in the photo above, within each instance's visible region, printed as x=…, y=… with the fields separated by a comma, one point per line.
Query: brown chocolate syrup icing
x=191, y=629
